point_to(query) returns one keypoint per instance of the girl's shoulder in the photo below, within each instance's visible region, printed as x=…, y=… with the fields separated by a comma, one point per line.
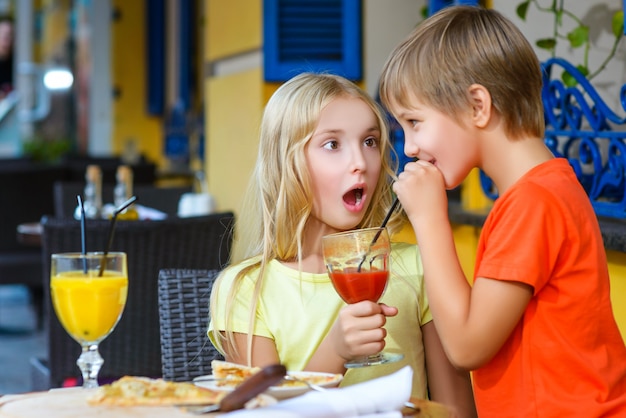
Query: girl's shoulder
x=245, y=268
x=405, y=258
x=404, y=249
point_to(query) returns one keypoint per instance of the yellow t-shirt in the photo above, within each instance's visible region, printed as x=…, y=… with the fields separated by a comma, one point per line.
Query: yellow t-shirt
x=296, y=310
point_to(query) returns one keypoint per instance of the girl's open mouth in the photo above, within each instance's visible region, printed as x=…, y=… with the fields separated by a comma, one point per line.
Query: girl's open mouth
x=354, y=199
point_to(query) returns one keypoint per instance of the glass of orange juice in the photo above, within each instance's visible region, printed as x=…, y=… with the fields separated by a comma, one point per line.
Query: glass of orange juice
x=89, y=293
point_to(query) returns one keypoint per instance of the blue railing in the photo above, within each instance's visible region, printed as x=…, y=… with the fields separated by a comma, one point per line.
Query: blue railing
x=582, y=128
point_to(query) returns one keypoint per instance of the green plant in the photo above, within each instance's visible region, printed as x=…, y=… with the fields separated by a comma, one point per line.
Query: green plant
x=46, y=150
x=578, y=37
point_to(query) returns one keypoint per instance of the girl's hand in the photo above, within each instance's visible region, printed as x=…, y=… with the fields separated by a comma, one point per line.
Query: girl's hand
x=358, y=330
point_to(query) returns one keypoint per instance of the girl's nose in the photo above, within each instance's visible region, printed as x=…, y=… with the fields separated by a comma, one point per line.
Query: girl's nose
x=357, y=162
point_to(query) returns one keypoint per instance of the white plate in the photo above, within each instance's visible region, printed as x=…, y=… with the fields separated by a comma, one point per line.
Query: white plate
x=283, y=391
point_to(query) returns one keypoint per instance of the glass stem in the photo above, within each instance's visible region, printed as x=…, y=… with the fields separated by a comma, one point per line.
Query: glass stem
x=89, y=363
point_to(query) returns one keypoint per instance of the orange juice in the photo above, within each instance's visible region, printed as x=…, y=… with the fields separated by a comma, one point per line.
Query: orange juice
x=88, y=306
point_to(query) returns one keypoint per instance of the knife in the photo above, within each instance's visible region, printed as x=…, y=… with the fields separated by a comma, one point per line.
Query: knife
x=248, y=389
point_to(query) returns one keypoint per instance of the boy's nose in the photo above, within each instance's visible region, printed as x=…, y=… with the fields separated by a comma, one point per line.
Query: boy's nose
x=411, y=149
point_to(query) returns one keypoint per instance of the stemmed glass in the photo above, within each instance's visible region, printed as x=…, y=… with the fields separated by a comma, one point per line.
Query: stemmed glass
x=358, y=265
x=89, y=293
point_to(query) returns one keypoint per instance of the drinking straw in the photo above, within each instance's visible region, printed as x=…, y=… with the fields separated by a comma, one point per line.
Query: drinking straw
x=393, y=207
x=83, y=247
x=111, y=229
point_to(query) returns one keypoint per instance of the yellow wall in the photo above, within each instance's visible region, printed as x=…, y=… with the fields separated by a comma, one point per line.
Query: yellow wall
x=233, y=27
x=130, y=121
x=55, y=28
x=617, y=270
x=232, y=135
x=234, y=102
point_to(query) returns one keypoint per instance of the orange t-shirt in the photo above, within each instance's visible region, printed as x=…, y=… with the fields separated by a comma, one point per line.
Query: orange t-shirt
x=566, y=356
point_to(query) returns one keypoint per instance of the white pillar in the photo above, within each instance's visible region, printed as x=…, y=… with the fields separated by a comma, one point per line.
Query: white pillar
x=25, y=84
x=100, y=96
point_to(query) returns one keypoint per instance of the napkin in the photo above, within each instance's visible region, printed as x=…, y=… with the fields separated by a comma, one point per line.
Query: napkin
x=383, y=397
x=145, y=213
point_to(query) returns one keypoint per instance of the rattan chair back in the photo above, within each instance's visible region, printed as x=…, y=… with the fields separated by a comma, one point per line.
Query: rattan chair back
x=184, y=295
x=134, y=347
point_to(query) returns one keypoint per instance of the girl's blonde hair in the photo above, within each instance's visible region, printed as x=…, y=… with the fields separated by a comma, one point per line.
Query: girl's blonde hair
x=464, y=45
x=279, y=198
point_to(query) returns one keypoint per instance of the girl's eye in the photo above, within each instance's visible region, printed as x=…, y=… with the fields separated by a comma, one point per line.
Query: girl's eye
x=331, y=145
x=371, y=142
x=413, y=122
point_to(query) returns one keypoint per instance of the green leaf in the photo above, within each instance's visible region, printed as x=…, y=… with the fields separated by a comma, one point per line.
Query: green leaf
x=522, y=9
x=424, y=12
x=583, y=70
x=546, y=43
x=559, y=17
x=553, y=6
x=617, y=24
x=579, y=36
x=568, y=79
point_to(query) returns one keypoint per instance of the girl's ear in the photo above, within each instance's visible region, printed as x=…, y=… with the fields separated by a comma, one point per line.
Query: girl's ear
x=481, y=105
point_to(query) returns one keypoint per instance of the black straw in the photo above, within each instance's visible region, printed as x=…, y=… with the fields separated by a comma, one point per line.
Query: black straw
x=111, y=229
x=83, y=246
x=393, y=207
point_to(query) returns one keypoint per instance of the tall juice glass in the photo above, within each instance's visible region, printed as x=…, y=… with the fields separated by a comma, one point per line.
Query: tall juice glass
x=358, y=265
x=87, y=303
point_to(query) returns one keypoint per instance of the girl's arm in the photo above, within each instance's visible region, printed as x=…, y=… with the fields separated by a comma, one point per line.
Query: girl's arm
x=263, y=351
x=446, y=384
x=358, y=331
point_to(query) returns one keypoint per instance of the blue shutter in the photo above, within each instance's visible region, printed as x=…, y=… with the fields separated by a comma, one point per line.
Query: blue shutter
x=155, y=69
x=314, y=35
x=435, y=5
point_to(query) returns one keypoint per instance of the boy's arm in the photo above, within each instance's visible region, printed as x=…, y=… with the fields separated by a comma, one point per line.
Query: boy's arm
x=446, y=384
x=473, y=322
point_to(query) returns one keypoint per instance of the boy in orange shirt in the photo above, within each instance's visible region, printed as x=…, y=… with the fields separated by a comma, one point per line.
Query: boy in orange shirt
x=537, y=326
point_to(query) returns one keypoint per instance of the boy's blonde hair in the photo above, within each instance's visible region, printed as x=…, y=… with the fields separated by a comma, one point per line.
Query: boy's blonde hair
x=279, y=199
x=464, y=45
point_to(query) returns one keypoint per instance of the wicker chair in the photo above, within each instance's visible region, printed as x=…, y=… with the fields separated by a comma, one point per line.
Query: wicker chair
x=186, y=351
x=134, y=346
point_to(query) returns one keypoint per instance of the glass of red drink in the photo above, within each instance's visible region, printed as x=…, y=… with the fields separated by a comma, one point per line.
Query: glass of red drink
x=358, y=265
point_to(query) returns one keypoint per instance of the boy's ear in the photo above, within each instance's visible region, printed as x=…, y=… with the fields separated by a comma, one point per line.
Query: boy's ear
x=481, y=104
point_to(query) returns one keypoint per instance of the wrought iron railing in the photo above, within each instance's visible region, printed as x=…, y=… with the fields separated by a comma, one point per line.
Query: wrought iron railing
x=581, y=127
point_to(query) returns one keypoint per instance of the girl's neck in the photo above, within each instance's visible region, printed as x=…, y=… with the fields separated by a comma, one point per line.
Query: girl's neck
x=313, y=263
x=312, y=259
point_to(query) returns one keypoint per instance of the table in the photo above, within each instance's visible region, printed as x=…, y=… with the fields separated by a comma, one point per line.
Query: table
x=29, y=233
x=72, y=403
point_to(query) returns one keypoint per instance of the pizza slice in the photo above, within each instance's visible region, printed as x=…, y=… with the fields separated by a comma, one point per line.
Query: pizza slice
x=143, y=391
x=231, y=374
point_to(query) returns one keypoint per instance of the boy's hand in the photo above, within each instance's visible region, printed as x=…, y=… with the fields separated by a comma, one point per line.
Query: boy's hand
x=422, y=191
x=359, y=330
